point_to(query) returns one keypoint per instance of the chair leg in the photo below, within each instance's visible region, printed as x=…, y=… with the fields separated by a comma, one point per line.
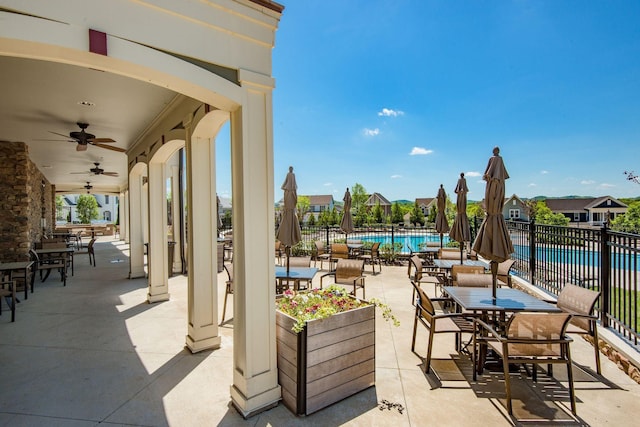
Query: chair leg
x=428, y=359
x=224, y=306
x=415, y=326
x=596, y=347
x=572, y=392
x=507, y=384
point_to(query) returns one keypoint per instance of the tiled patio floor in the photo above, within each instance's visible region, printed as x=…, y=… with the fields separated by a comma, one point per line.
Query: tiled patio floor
x=95, y=353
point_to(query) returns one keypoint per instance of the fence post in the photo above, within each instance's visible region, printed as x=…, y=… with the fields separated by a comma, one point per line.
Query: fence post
x=327, y=235
x=532, y=250
x=392, y=236
x=605, y=278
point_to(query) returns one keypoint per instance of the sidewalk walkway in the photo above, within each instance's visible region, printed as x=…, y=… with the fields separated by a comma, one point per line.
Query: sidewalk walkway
x=95, y=353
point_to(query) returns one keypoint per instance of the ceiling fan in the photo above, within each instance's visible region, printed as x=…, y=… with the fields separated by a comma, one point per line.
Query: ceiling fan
x=87, y=187
x=97, y=170
x=84, y=139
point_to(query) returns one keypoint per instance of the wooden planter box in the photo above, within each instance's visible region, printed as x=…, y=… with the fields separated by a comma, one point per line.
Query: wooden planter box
x=329, y=360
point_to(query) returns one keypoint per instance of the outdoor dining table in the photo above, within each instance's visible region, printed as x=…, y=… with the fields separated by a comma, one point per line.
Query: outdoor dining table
x=67, y=251
x=16, y=266
x=508, y=300
x=354, y=248
x=295, y=273
x=446, y=264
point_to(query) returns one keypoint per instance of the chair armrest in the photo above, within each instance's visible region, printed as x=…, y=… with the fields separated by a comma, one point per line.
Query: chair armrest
x=358, y=279
x=332, y=273
x=481, y=324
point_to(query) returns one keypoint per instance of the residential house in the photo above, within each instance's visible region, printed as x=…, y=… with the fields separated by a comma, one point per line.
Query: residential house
x=589, y=210
x=319, y=204
x=107, y=209
x=376, y=198
x=515, y=209
x=426, y=204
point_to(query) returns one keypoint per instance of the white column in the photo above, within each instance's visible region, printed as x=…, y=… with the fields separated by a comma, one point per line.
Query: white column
x=202, y=241
x=136, y=233
x=255, y=376
x=157, y=251
x=125, y=221
x=175, y=209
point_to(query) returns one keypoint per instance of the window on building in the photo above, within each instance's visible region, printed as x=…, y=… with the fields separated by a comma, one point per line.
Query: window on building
x=106, y=216
x=576, y=217
x=106, y=199
x=514, y=213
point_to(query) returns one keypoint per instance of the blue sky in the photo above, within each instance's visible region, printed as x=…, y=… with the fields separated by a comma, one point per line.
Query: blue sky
x=403, y=95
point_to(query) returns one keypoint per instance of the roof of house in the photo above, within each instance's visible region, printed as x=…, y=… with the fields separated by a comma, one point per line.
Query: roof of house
x=518, y=199
x=567, y=205
x=321, y=200
x=426, y=201
x=599, y=202
x=375, y=198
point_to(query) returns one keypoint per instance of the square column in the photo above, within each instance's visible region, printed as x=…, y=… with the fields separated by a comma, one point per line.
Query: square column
x=157, y=250
x=202, y=247
x=255, y=376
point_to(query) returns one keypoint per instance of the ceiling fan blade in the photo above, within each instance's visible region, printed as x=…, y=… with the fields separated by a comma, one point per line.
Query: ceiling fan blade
x=64, y=136
x=103, y=140
x=114, y=174
x=81, y=147
x=108, y=147
x=79, y=173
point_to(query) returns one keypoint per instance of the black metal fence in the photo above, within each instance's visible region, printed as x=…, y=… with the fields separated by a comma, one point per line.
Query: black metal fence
x=600, y=259
x=546, y=256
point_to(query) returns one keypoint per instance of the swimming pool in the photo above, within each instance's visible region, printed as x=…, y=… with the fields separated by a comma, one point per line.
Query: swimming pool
x=409, y=242
x=568, y=255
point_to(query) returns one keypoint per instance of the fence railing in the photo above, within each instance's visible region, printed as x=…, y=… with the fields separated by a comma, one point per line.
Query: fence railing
x=546, y=256
x=600, y=259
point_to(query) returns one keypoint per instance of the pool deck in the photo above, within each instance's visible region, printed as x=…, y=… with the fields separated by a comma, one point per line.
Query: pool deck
x=94, y=353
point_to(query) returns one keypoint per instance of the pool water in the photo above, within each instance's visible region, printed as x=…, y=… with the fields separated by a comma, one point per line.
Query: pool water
x=409, y=242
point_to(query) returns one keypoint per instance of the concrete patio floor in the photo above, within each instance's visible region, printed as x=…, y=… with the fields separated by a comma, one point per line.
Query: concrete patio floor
x=95, y=353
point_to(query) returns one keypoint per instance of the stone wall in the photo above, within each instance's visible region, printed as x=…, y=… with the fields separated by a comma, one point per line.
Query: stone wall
x=25, y=198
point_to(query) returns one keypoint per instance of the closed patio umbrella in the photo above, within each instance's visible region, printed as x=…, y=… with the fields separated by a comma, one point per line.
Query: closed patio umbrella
x=346, y=224
x=460, y=230
x=218, y=212
x=442, y=226
x=493, y=241
x=289, y=229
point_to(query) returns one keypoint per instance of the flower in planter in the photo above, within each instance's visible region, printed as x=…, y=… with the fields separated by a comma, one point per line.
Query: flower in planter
x=322, y=303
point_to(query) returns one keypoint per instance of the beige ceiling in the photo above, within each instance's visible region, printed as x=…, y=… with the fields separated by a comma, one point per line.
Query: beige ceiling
x=38, y=98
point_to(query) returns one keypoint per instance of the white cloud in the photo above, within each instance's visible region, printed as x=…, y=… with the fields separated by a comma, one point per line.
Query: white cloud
x=328, y=184
x=396, y=176
x=371, y=132
x=587, y=182
x=605, y=185
x=387, y=112
x=544, y=172
x=473, y=174
x=533, y=184
x=420, y=151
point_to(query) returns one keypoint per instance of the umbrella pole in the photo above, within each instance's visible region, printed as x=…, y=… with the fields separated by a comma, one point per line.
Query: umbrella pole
x=461, y=252
x=494, y=276
x=287, y=252
x=441, y=240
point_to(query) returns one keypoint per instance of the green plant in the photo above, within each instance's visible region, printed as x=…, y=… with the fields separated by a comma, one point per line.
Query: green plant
x=322, y=303
x=389, y=251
